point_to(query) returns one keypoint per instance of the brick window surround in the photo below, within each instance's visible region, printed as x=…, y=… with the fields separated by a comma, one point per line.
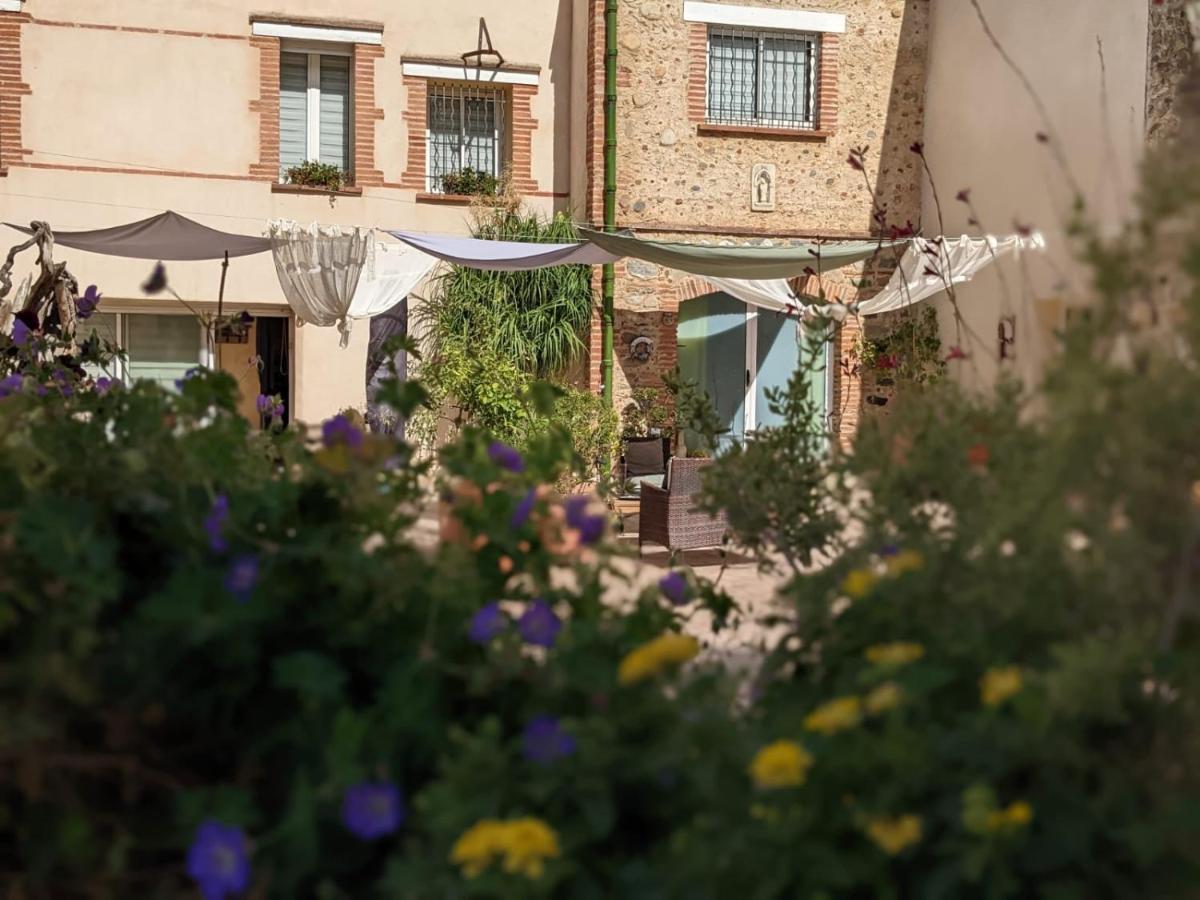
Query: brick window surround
x=519, y=131
x=363, y=105
x=826, y=89
x=12, y=88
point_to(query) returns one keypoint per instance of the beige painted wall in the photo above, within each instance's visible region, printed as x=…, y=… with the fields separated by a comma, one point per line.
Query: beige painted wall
x=104, y=99
x=981, y=131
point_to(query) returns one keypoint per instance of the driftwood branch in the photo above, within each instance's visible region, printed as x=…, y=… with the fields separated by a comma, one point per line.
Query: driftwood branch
x=53, y=297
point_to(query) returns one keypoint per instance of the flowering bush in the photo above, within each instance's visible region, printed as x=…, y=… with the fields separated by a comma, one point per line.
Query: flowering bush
x=229, y=670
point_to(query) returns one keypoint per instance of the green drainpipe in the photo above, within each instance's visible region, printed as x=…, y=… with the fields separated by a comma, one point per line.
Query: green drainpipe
x=610, y=193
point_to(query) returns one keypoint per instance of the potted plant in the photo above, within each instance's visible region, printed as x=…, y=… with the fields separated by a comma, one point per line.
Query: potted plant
x=311, y=173
x=469, y=182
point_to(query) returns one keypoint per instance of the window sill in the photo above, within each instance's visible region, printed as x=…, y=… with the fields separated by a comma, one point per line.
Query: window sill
x=348, y=190
x=757, y=131
x=448, y=199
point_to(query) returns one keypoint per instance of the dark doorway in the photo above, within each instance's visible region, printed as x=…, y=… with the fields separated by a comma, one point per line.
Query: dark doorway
x=272, y=349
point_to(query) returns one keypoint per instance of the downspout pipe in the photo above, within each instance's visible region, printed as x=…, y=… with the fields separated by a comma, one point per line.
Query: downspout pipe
x=608, y=277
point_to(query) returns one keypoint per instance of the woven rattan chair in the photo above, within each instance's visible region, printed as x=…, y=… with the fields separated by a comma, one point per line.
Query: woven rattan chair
x=669, y=516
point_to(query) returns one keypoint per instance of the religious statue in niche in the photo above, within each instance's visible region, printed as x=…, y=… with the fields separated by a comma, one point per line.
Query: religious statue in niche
x=762, y=187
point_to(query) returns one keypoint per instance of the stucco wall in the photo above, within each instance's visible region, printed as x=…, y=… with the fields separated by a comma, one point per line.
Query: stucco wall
x=110, y=91
x=981, y=130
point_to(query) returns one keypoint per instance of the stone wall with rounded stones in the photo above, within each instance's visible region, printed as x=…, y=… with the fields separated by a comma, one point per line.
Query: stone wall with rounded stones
x=671, y=175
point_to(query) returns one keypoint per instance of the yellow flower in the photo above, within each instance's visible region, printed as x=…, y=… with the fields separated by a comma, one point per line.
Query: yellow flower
x=524, y=845
x=478, y=846
x=859, y=582
x=651, y=658
x=998, y=684
x=905, y=561
x=894, y=835
x=1014, y=818
x=528, y=843
x=782, y=764
x=900, y=653
x=886, y=696
x=836, y=715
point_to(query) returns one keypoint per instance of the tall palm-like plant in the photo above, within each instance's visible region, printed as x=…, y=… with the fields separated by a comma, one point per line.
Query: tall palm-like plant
x=535, y=319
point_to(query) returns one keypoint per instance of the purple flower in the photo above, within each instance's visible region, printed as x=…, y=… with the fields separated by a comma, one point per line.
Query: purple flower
x=218, y=860
x=539, y=625
x=214, y=524
x=242, y=576
x=20, y=333
x=505, y=457
x=264, y=405
x=674, y=587
x=524, y=509
x=191, y=373
x=86, y=305
x=104, y=384
x=340, y=430
x=545, y=741
x=157, y=282
x=372, y=810
x=11, y=384
x=589, y=525
x=486, y=624
x=63, y=380
x=277, y=412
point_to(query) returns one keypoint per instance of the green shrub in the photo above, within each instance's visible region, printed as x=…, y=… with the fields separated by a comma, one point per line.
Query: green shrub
x=311, y=173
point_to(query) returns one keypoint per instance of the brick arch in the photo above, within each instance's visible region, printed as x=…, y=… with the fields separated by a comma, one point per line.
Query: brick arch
x=692, y=287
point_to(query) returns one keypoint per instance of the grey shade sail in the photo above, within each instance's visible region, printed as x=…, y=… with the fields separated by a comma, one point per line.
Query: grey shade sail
x=166, y=237
x=740, y=262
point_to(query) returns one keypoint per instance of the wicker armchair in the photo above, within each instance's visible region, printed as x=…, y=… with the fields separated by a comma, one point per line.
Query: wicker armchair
x=668, y=515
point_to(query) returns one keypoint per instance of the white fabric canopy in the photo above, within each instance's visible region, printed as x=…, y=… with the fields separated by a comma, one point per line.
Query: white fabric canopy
x=929, y=265
x=391, y=273
x=503, y=256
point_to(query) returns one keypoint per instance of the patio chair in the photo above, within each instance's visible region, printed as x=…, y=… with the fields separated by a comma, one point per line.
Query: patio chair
x=669, y=516
x=643, y=461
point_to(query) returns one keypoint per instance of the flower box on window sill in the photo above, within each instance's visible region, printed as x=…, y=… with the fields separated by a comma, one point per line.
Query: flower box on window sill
x=760, y=131
x=450, y=199
x=346, y=190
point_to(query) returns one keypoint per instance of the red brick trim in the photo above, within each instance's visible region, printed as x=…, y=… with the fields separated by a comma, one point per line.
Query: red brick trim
x=267, y=107
x=692, y=287
x=12, y=89
x=95, y=26
x=827, y=83
x=416, y=117
x=522, y=125
x=697, y=75
x=131, y=170
x=366, y=114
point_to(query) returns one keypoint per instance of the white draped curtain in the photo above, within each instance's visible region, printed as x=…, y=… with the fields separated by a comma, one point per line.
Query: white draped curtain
x=331, y=275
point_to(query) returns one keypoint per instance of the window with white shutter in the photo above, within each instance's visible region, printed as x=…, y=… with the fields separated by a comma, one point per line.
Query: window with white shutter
x=314, y=110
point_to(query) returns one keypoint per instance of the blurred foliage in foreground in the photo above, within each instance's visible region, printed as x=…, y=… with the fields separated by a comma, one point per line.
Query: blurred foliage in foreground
x=227, y=669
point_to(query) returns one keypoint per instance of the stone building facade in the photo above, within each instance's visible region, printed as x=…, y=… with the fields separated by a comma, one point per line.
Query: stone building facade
x=683, y=176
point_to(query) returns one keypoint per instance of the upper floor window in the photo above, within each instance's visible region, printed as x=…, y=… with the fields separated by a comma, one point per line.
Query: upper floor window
x=765, y=79
x=314, y=109
x=466, y=134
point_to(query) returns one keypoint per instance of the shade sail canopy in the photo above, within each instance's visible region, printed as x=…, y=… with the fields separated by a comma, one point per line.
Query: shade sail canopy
x=168, y=237
x=929, y=267
x=503, y=256
x=739, y=261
